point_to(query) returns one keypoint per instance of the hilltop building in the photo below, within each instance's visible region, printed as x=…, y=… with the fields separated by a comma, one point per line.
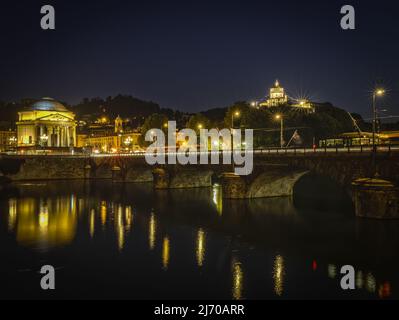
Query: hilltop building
x=277, y=97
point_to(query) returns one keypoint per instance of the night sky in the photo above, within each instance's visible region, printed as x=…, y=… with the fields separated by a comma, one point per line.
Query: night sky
x=195, y=55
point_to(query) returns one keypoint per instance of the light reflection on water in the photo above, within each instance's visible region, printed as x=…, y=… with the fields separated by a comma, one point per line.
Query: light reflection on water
x=200, y=247
x=243, y=236
x=278, y=275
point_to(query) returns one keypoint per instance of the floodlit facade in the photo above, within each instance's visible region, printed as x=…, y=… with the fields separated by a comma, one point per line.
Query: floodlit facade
x=46, y=123
x=117, y=140
x=277, y=97
x=8, y=140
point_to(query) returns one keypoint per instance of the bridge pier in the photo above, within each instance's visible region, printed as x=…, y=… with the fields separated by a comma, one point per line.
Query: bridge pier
x=234, y=186
x=116, y=174
x=161, y=178
x=273, y=182
x=179, y=177
x=375, y=198
x=87, y=171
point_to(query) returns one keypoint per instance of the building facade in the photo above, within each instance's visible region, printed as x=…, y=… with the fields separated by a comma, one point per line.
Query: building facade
x=277, y=97
x=8, y=140
x=46, y=124
x=110, y=141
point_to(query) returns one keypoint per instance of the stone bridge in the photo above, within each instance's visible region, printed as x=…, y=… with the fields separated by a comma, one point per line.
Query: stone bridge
x=274, y=174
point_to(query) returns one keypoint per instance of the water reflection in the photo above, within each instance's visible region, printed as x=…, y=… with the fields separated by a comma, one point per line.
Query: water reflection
x=239, y=240
x=200, y=250
x=44, y=222
x=359, y=280
x=152, y=231
x=217, y=198
x=384, y=290
x=370, y=283
x=119, y=227
x=92, y=222
x=332, y=271
x=103, y=213
x=278, y=275
x=238, y=276
x=128, y=218
x=12, y=214
x=165, y=253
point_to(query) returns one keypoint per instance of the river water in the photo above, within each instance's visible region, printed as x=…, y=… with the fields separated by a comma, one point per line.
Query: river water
x=110, y=240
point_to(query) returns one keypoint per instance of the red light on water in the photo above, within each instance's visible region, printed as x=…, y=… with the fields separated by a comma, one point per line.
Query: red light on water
x=314, y=265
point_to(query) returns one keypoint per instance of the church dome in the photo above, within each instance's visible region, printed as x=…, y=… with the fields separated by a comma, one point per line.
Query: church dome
x=48, y=104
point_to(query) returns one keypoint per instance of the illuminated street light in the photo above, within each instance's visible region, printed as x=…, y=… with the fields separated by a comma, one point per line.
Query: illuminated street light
x=200, y=126
x=234, y=114
x=379, y=92
x=280, y=117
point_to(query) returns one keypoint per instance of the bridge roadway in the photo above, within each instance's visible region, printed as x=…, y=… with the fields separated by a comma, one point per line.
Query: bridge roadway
x=360, y=150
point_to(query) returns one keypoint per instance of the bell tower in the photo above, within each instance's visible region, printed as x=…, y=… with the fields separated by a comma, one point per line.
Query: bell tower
x=118, y=125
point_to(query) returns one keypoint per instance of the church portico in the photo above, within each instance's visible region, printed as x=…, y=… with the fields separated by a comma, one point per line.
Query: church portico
x=47, y=123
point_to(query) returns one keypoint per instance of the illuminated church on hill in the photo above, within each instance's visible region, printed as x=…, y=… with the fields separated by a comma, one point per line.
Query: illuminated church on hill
x=277, y=97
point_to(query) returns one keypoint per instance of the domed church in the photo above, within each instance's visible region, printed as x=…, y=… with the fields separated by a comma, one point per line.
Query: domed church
x=46, y=123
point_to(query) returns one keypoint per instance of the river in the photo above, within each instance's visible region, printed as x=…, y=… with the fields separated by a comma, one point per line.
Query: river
x=109, y=240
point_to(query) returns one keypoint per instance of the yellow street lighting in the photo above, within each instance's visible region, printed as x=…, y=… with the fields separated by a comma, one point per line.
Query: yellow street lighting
x=200, y=126
x=280, y=117
x=234, y=114
x=379, y=92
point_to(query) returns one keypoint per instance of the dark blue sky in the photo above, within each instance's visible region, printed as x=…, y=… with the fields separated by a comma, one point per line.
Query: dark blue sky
x=194, y=55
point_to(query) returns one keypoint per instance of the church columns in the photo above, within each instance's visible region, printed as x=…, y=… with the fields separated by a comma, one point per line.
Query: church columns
x=67, y=129
x=57, y=130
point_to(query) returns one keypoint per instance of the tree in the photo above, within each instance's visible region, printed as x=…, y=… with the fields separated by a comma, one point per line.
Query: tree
x=154, y=121
x=197, y=122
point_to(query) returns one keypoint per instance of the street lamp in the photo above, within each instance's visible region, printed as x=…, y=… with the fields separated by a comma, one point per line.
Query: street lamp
x=234, y=114
x=200, y=126
x=128, y=141
x=281, y=118
x=379, y=92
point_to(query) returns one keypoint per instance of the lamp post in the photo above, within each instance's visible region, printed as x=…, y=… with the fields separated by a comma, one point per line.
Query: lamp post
x=376, y=93
x=233, y=114
x=281, y=118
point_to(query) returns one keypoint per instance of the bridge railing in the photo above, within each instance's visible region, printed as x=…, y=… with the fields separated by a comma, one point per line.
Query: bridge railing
x=273, y=150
